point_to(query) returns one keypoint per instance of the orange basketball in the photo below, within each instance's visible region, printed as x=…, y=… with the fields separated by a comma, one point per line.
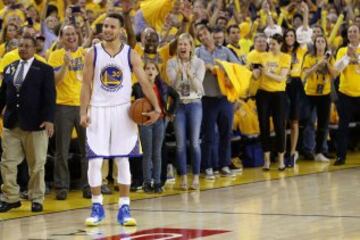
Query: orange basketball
x=137, y=108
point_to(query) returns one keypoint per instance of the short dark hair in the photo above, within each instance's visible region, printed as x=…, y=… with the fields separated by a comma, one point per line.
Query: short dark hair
x=27, y=37
x=232, y=26
x=277, y=37
x=298, y=15
x=118, y=17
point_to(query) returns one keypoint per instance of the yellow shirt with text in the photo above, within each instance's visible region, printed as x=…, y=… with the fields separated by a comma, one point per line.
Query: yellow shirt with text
x=297, y=59
x=319, y=82
x=274, y=64
x=68, y=90
x=350, y=76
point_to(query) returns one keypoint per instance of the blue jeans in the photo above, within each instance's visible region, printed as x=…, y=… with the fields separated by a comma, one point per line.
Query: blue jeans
x=188, y=121
x=217, y=111
x=151, y=139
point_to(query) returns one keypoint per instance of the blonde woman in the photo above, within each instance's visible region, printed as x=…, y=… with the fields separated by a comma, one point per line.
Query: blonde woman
x=186, y=73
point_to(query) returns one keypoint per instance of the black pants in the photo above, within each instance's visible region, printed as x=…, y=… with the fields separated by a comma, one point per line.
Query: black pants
x=272, y=104
x=349, y=110
x=322, y=105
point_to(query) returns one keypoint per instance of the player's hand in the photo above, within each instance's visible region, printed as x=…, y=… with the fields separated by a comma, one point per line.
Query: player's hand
x=84, y=120
x=153, y=117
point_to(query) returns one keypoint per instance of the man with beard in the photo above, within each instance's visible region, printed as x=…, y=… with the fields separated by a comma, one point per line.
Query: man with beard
x=105, y=101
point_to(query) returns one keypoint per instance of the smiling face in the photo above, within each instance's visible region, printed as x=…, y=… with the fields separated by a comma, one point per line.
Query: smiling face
x=111, y=29
x=69, y=37
x=353, y=34
x=290, y=38
x=151, y=71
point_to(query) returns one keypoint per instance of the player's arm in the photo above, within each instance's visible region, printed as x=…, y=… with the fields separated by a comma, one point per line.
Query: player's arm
x=88, y=74
x=146, y=87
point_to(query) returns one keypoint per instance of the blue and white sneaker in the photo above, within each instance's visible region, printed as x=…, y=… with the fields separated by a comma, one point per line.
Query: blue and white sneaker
x=124, y=217
x=97, y=215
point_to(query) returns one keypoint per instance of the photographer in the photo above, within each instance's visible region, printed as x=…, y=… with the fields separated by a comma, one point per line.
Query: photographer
x=317, y=73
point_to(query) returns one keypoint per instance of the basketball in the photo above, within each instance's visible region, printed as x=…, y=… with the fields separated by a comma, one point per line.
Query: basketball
x=141, y=105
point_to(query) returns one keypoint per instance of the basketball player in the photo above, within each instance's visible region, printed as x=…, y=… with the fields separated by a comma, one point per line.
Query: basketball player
x=105, y=101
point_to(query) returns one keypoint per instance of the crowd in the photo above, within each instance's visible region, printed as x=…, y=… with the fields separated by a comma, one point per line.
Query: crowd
x=218, y=68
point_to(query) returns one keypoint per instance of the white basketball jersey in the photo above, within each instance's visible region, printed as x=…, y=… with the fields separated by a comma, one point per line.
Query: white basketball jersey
x=112, y=84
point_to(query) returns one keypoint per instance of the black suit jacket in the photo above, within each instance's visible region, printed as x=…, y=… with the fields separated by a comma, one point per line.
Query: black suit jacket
x=34, y=102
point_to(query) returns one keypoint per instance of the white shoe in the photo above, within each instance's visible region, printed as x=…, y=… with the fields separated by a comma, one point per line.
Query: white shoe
x=296, y=156
x=209, y=174
x=321, y=158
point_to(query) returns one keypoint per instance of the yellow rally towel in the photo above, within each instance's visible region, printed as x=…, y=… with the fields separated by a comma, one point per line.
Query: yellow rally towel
x=246, y=119
x=156, y=11
x=233, y=79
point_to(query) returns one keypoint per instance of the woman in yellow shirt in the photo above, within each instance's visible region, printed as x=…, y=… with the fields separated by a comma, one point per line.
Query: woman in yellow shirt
x=318, y=72
x=294, y=89
x=11, y=31
x=271, y=98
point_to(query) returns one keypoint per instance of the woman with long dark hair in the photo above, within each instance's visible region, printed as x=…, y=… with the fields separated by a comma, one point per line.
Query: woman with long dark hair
x=318, y=72
x=294, y=89
x=271, y=98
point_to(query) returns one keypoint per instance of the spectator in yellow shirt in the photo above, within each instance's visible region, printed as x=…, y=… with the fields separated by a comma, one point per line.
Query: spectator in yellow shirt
x=271, y=98
x=348, y=65
x=318, y=72
x=68, y=63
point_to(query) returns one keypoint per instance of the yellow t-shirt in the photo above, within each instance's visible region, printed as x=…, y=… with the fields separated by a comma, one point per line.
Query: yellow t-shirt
x=239, y=52
x=254, y=56
x=6, y=13
x=350, y=76
x=296, y=61
x=274, y=64
x=319, y=82
x=68, y=90
x=246, y=44
x=13, y=56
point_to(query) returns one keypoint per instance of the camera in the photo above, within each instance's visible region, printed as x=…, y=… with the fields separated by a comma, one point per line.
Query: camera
x=328, y=54
x=256, y=65
x=75, y=9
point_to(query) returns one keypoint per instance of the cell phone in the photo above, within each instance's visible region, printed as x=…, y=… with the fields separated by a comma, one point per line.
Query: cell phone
x=30, y=21
x=327, y=54
x=256, y=65
x=15, y=6
x=75, y=9
x=320, y=88
x=98, y=28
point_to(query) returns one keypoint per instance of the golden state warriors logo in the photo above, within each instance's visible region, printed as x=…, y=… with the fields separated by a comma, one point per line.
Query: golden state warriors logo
x=111, y=78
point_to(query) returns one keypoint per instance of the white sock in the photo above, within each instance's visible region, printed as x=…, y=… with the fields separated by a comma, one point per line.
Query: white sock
x=97, y=199
x=124, y=201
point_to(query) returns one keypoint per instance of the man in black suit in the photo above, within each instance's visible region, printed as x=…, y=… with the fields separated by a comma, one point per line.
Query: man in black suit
x=27, y=100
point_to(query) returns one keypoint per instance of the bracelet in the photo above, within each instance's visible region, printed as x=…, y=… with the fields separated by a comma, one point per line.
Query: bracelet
x=157, y=111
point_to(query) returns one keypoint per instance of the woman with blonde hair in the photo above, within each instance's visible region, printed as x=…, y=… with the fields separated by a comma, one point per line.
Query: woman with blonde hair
x=186, y=73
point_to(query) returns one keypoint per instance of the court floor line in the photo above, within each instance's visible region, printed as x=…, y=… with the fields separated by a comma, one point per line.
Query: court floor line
x=355, y=167
x=245, y=213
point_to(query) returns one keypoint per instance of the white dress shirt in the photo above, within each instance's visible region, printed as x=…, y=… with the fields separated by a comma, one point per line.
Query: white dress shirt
x=26, y=67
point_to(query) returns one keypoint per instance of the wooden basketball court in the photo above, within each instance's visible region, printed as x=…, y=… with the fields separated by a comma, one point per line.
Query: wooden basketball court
x=312, y=201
